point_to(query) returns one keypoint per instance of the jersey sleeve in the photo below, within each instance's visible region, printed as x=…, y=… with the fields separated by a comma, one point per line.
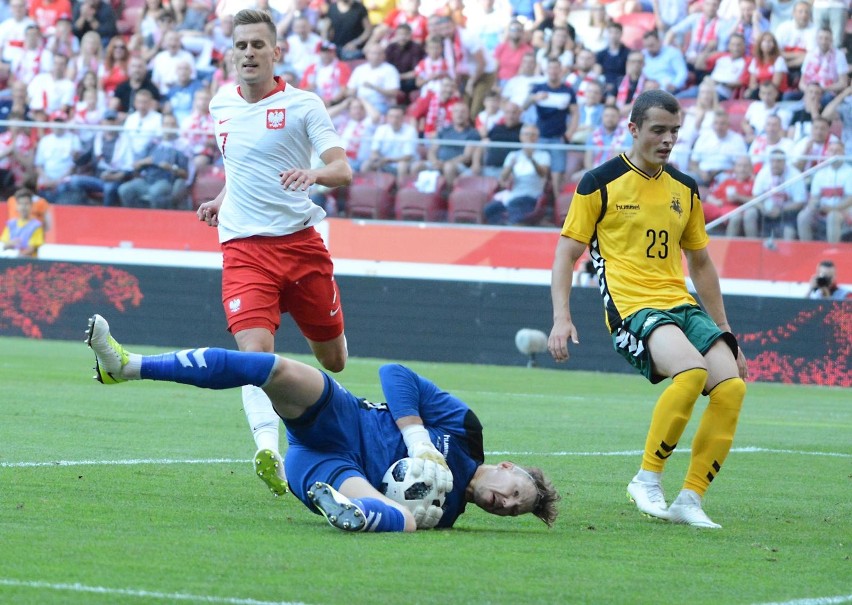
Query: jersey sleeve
x=320, y=129
x=695, y=233
x=586, y=207
x=409, y=394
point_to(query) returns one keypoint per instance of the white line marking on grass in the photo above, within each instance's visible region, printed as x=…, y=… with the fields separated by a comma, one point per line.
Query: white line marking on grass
x=140, y=461
x=170, y=596
x=736, y=450
x=131, y=462
x=814, y=601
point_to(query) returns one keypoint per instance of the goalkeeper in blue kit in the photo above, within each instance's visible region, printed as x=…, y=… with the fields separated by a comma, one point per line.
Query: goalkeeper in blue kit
x=341, y=445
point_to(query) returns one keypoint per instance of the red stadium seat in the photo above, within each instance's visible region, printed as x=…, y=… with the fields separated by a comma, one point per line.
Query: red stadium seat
x=563, y=203
x=129, y=21
x=208, y=183
x=537, y=215
x=413, y=205
x=371, y=195
x=635, y=26
x=736, y=109
x=468, y=198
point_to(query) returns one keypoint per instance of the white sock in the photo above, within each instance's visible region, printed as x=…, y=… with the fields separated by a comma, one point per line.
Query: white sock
x=649, y=476
x=132, y=370
x=262, y=419
x=688, y=496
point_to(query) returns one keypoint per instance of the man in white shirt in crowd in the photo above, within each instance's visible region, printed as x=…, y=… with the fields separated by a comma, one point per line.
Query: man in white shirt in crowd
x=517, y=89
x=829, y=209
x=303, y=46
x=811, y=150
x=524, y=176
x=54, y=158
x=33, y=59
x=13, y=30
x=797, y=36
x=376, y=81
x=825, y=65
x=780, y=209
x=716, y=150
x=772, y=138
x=144, y=125
x=52, y=91
x=730, y=73
x=164, y=72
x=758, y=112
x=394, y=146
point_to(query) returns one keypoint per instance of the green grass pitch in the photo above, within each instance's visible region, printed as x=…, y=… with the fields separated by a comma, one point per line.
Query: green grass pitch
x=160, y=504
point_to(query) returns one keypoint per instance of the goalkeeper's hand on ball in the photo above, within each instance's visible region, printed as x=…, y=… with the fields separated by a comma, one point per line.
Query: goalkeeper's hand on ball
x=433, y=473
x=434, y=469
x=427, y=517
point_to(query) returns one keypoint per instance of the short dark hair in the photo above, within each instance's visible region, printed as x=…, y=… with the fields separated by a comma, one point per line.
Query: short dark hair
x=23, y=192
x=651, y=34
x=829, y=264
x=249, y=16
x=649, y=99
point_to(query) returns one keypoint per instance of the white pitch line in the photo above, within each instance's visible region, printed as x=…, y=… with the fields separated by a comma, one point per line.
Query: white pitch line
x=130, y=462
x=736, y=450
x=126, y=592
x=814, y=601
x=141, y=461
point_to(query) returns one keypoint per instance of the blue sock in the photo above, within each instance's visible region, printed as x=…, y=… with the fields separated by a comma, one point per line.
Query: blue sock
x=209, y=368
x=380, y=516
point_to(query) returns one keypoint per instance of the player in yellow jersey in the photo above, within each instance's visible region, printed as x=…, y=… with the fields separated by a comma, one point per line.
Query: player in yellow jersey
x=636, y=214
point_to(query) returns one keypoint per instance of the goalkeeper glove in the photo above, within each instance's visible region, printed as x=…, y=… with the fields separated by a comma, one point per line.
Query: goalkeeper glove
x=427, y=517
x=433, y=474
x=419, y=444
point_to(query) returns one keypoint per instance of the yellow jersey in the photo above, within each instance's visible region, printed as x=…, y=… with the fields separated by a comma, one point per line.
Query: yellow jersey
x=636, y=225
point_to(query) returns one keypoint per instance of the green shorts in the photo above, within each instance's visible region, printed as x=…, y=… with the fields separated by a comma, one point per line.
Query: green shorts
x=631, y=338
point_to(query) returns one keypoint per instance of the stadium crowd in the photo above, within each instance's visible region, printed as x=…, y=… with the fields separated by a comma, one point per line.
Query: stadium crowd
x=503, y=102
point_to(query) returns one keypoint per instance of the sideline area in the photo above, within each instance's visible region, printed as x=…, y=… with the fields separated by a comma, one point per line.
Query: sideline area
x=412, y=249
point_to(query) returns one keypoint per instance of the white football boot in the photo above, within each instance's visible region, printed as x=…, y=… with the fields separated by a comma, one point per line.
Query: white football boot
x=337, y=508
x=648, y=497
x=687, y=509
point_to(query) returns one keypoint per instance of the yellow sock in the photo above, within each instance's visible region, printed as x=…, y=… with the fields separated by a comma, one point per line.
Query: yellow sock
x=671, y=414
x=715, y=434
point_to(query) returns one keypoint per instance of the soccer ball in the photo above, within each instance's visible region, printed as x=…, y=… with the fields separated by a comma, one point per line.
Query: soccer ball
x=401, y=487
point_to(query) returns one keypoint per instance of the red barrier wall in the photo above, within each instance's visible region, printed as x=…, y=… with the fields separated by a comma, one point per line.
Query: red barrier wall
x=527, y=248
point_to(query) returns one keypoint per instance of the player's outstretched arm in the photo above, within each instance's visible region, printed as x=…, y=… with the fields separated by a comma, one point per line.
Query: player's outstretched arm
x=568, y=251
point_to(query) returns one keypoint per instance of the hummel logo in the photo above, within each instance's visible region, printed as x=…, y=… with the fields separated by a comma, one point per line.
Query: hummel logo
x=223, y=121
x=333, y=313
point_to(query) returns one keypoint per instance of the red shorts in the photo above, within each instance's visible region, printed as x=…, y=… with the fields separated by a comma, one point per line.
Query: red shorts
x=263, y=277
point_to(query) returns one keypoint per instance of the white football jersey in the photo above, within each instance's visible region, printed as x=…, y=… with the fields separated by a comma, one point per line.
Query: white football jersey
x=260, y=140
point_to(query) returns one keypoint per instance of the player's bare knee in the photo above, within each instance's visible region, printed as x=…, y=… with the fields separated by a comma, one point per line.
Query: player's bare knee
x=333, y=362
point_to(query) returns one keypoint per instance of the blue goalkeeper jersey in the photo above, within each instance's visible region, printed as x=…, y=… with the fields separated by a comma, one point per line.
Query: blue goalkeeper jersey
x=344, y=436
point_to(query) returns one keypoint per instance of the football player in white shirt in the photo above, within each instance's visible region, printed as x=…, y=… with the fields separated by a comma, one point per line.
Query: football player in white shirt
x=274, y=260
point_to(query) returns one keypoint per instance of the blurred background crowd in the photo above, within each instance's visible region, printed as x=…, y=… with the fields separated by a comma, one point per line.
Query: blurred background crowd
x=479, y=111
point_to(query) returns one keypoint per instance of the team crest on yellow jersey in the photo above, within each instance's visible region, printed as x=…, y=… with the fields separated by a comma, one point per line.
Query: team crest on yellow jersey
x=676, y=207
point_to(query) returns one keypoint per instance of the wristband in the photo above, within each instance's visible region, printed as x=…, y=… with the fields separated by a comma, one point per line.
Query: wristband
x=415, y=434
